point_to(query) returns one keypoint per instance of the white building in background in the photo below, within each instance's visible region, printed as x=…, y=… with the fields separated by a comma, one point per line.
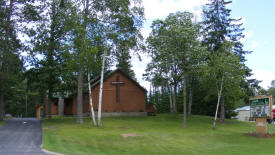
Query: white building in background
x=243, y=113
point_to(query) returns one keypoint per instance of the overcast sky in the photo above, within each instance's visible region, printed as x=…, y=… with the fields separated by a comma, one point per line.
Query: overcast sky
x=259, y=24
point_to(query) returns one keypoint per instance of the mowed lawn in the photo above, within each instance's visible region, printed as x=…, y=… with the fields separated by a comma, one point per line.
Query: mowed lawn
x=162, y=134
x=2, y=123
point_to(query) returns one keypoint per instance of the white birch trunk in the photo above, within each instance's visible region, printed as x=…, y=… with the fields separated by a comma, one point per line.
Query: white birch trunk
x=91, y=101
x=101, y=89
x=218, y=103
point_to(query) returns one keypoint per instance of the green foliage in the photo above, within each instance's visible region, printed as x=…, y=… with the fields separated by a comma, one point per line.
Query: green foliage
x=162, y=102
x=220, y=27
x=169, y=42
x=271, y=91
x=62, y=39
x=174, y=47
x=48, y=42
x=272, y=84
x=225, y=64
x=2, y=123
x=68, y=38
x=175, y=50
x=13, y=20
x=124, y=63
x=22, y=105
x=222, y=37
x=225, y=72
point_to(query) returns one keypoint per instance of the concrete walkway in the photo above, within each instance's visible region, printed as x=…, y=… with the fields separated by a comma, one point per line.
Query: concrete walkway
x=21, y=136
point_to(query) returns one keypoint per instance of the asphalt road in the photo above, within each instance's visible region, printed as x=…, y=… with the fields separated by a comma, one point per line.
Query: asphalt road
x=21, y=137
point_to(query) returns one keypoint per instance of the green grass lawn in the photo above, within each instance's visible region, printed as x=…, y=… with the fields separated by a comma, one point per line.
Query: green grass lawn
x=162, y=134
x=2, y=123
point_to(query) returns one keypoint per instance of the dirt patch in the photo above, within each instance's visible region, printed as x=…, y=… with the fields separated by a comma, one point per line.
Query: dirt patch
x=126, y=135
x=269, y=135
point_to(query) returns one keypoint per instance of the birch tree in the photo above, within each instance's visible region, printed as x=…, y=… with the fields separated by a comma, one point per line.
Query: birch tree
x=224, y=69
x=118, y=24
x=101, y=89
x=92, y=63
x=91, y=100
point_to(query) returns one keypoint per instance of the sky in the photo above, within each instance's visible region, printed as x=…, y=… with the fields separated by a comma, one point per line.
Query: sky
x=258, y=21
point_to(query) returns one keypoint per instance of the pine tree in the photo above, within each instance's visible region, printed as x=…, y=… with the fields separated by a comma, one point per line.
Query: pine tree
x=48, y=37
x=13, y=16
x=124, y=63
x=219, y=28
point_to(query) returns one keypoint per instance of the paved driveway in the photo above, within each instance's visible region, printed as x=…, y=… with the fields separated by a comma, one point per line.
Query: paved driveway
x=21, y=137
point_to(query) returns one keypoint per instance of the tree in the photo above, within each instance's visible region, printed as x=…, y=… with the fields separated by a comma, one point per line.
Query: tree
x=220, y=28
x=48, y=38
x=111, y=25
x=224, y=69
x=91, y=101
x=173, y=45
x=272, y=85
x=13, y=16
x=271, y=90
x=130, y=24
x=124, y=63
x=164, y=72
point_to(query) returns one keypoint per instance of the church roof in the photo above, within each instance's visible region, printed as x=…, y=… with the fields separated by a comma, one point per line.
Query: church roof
x=107, y=74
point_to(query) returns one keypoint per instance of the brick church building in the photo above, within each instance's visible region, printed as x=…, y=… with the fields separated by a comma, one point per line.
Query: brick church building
x=120, y=94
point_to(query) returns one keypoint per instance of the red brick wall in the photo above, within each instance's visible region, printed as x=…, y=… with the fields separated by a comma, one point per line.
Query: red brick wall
x=132, y=98
x=72, y=107
x=54, y=107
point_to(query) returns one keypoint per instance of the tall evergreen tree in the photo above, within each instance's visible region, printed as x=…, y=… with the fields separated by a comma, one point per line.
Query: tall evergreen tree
x=13, y=14
x=48, y=37
x=124, y=63
x=220, y=28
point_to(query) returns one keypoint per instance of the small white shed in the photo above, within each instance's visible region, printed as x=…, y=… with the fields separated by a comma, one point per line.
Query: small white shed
x=243, y=113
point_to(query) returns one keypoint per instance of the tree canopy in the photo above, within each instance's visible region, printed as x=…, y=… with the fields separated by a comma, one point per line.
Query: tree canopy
x=196, y=67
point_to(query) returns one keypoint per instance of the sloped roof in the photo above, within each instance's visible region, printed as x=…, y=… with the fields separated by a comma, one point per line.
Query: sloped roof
x=247, y=108
x=107, y=74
